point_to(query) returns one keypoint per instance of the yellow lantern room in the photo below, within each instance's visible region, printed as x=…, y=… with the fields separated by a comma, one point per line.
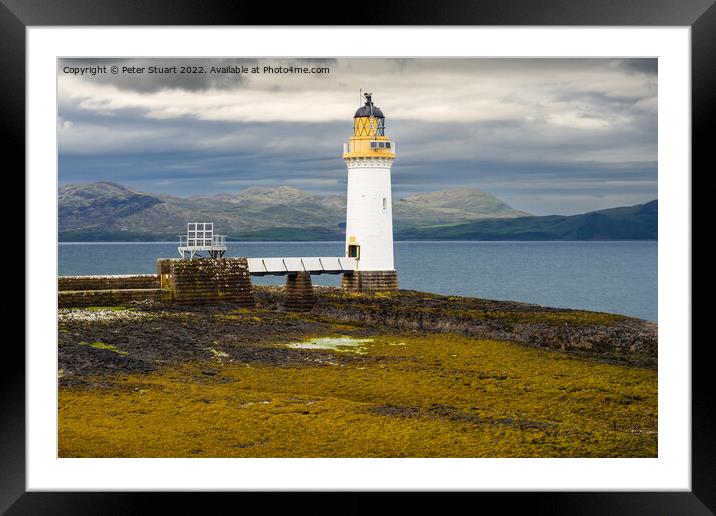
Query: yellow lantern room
x=369, y=139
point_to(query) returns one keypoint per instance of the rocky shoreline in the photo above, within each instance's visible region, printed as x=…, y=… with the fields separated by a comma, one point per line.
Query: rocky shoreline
x=610, y=337
x=151, y=335
x=400, y=374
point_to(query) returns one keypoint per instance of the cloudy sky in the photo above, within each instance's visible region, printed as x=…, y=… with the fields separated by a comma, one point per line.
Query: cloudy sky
x=545, y=135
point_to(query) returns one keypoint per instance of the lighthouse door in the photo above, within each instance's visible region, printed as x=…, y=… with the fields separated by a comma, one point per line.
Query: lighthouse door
x=354, y=251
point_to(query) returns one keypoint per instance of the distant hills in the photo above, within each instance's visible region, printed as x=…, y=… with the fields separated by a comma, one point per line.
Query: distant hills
x=638, y=222
x=109, y=211
x=106, y=211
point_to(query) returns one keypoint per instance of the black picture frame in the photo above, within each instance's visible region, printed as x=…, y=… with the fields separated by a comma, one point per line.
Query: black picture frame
x=17, y=15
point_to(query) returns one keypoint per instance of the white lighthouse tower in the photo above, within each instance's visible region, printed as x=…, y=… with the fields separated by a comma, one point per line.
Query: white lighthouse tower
x=369, y=156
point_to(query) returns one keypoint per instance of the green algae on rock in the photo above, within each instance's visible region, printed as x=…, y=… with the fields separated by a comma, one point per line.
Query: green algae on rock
x=600, y=335
x=401, y=374
x=440, y=395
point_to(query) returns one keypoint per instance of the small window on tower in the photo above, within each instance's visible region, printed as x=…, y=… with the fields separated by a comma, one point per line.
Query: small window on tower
x=385, y=204
x=354, y=251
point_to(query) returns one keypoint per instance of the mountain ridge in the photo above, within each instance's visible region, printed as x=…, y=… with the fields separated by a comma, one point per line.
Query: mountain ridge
x=108, y=211
x=111, y=210
x=637, y=222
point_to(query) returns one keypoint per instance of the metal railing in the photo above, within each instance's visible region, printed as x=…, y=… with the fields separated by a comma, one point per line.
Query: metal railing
x=213, y=241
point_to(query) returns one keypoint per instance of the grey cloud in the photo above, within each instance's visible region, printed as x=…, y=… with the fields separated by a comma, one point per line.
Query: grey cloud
x=647, y=66
x=530, y=162
x=190, y=157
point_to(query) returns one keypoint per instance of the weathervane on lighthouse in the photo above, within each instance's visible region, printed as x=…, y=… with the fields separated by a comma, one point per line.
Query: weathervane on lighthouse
x=369, y=156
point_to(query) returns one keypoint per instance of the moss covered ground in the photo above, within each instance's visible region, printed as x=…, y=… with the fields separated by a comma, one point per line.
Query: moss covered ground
x=396, y=394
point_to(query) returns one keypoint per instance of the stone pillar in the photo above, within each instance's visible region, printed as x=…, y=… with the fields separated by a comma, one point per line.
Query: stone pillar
x=207, y=281
x=370, y=281
x=164, y=269
x=299, y=295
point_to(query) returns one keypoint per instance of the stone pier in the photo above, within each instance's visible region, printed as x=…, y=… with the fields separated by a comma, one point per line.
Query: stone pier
x=370, y=281
x=186, y=282
x=299, y=295
x=79, y=291
x=205, y=281
x=118, y=282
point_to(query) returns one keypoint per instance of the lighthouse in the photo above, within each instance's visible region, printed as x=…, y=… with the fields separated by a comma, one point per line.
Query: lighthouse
x=369, y=156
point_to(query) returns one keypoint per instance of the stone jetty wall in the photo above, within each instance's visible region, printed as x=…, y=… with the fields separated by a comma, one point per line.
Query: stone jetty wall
x=113, y=297
x=205, y=281
x=208, y=281
x=187, y=282
x=136, y=281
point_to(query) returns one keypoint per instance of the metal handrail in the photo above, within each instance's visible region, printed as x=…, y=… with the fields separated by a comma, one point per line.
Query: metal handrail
x=214, y=241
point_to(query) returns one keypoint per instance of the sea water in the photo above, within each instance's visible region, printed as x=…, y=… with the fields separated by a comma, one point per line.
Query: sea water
x=618, y=277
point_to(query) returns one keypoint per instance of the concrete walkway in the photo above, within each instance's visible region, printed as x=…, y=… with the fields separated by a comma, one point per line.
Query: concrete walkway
x=313, y=265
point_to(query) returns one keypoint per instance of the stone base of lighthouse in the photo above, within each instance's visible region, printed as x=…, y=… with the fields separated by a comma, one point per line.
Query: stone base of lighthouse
x=370, y=281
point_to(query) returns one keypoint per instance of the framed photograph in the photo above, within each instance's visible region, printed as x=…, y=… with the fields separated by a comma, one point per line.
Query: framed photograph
x=449, y=250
